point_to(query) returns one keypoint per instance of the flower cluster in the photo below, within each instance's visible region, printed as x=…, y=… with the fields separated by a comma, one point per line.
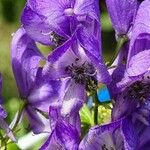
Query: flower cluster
x=53, y=88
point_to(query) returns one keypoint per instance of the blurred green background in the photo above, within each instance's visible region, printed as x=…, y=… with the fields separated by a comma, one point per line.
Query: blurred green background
x=10, y=11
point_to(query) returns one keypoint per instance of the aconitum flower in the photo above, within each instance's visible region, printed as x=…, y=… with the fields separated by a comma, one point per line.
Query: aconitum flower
x=133, y=100
x=65, y=130
x=134, y=87
x=122, y=13
x=36, y=91
x=139, y=41
x=54, y=21
x=117, y=135
x=82, y=70
x=65, y=136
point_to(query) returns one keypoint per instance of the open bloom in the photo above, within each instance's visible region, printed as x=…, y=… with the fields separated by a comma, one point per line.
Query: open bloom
x=53, y=21
x=133, y=100
x=117, y=135
x=80, y=68
x=35, y=91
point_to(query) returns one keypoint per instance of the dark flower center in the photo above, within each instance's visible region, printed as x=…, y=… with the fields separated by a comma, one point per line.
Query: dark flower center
x=56, y=39
x=139, y=90
x=83, y=73
x=104, y=147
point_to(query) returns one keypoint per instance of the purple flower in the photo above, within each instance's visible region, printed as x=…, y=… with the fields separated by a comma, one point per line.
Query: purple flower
x=140, y=37
x=134, y=87
x=122, y=13
x=53, y=21
x=37, y=91
x=65, y=136
x=133, y=99
x=80, y=68
x=65, y=130
x=116, y=135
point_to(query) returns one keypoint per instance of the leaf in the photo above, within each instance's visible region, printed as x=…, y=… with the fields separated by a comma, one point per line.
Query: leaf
x=86, y=116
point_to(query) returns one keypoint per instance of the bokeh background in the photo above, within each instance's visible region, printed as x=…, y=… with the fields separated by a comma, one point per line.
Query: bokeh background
x=10, y=11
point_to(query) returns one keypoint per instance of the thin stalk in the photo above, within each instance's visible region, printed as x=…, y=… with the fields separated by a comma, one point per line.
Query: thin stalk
x=3, y=141
x=121, y=41
x=22, y=106
x=95, y=108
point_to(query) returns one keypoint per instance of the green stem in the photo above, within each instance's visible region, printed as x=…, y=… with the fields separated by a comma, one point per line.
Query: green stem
x=121, y=41
x=3, y=141
x=22, y=106
x=95, y=108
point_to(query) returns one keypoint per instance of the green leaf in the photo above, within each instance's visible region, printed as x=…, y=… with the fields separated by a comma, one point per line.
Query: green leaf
x=86, y=116
x=12, y=146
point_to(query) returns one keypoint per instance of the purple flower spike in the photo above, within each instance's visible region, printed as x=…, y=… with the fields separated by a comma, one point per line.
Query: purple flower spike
x=52, y=22
x=122, y=13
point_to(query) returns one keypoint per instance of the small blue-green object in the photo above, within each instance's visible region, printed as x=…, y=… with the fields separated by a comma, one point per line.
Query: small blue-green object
x=103, y=94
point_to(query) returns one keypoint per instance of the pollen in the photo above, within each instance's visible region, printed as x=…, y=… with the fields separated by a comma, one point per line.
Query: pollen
x=139, y=90
x=81, y=73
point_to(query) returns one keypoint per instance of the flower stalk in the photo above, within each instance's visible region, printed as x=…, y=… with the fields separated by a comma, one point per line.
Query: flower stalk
x=95, y=107
x=120, y=43
x=22, y=106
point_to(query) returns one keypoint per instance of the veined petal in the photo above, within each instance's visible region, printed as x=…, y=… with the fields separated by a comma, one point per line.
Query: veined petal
x=43, y=17
x=69, y=139
x=144, y=136
x=36, y=27
x=102, y=72
x=25, y=61
x=38, y=122
x=44, y=93
x=73, y=99
x=101, y=137
x=50, y=143
x=58, y=60
x=139, y=64
x=59, y=109
x=122, y=13
x=87, y=7
x=65, y=136
x=129, y=134
x=141, y=29
x=90, y=39
x=141, y=43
